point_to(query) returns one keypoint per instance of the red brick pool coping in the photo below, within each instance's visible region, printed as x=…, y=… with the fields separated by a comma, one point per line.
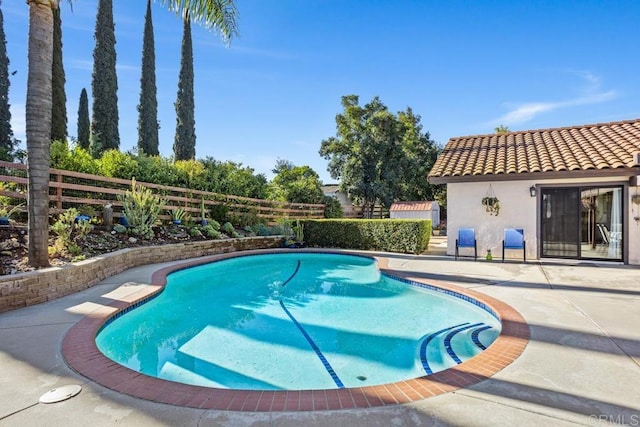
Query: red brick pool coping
x=81, y=353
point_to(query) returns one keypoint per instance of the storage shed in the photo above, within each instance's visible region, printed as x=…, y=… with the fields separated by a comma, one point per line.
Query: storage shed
x=413, y=210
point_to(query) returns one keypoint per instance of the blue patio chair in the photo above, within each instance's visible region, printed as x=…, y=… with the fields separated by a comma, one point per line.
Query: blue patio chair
x=467, y=239
x=514, y=239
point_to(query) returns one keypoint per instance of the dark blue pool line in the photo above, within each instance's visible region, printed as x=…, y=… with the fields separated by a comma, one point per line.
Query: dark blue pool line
x=450, y=335
x=313, y=345
x=425, y=343
x=293, y=275
x=455, y=294
x=476, y=339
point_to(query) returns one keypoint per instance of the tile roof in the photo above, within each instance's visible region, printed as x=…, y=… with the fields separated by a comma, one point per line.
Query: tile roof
x=411, y=206
x=590, y=149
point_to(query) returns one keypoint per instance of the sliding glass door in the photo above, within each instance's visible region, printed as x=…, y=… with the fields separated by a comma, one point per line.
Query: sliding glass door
x=582, y=222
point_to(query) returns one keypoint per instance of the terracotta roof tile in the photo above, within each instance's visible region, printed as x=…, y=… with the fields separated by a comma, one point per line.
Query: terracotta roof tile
x=596, y=147
x=411, y=206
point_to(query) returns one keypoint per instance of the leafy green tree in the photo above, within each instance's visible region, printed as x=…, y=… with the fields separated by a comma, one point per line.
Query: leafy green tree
x=220, y=15
x=104, y=84
x=58, y=95
x=419, y=154
x=84, y=124
x=191, y=173
x=295, y=184
x=115, y=164
x=77, y=159
x=7, y=141
x=233, y=178
x=148, y=107
x=184, y=146
x=502, y=129
x=157, y=169
x=379, y=157
x=355, y=155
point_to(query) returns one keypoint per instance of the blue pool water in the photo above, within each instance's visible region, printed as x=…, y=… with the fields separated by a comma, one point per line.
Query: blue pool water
x=295, y=321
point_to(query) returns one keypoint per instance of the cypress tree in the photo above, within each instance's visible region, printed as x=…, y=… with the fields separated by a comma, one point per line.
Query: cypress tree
x=104, y=84
x=84, y=125
x=148, y=107
x=184, y=146
x=58, y=95
x=7, y=141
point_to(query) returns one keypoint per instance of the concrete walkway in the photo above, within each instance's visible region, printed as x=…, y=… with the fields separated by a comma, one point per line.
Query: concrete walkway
x=582, y=365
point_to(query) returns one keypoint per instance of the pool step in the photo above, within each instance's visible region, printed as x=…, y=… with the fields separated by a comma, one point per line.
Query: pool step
x=451, y=346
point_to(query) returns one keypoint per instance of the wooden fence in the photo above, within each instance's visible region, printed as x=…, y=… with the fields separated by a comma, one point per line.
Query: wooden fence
x=355, y=212
x=74, y=189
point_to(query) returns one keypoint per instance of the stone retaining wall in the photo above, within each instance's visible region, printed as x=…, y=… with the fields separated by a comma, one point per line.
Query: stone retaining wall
x=35, y=287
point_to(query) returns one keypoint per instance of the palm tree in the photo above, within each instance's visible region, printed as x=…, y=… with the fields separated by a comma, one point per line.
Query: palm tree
x=502, y=129
x=214, y=14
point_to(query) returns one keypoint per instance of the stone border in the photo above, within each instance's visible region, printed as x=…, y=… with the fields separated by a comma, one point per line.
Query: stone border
x=38, y=286
x=81, y=353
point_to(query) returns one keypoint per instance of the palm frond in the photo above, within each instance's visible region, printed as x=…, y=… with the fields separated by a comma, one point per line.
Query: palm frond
x=219, y=15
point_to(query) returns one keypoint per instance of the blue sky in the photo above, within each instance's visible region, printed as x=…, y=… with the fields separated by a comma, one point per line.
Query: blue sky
x=464, y=66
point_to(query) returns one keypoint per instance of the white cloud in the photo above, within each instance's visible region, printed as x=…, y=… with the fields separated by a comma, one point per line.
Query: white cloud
x=591, y=93
x=127, y=67
x=81, y=64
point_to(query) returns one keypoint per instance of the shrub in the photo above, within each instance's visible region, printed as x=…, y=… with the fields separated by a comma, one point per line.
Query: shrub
x=177, y=214
x=219, y=213
x=405, y=236
x=157, y=169
x=229, y=230
x=195, y=232
x=262, y=230
x=119, y=228
x=75, y=159
x=141, y=208
x=212, y=223
x=115, y=164
x=83, y=228
x=247, y=218
x=64, y=227
x=332, y=208
x=285, y=226
x=211, y=230
x=5, y=212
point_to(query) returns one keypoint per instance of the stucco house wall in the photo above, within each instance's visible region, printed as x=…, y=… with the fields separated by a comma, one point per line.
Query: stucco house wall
x=519, y=210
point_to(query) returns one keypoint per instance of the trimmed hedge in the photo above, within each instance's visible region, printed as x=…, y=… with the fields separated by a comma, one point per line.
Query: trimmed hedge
x=389, y=235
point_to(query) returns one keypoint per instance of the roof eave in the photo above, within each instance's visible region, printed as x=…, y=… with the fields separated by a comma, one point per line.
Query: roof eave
x=591, y=173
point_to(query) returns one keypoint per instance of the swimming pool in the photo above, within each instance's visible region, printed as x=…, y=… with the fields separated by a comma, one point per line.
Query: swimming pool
x=296, y=321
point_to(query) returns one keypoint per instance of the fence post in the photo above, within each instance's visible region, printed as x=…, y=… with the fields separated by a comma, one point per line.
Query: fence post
x=59, y=192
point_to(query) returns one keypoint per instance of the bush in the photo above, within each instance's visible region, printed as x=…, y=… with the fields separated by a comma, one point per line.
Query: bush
x=332, y=208
x=76, y=159
x=264, y=230
x=115, y=164
x=141, y=208
x=404, y=236
x=64, y=228
x=229, y=230
x=211, y=230
x=219, y=213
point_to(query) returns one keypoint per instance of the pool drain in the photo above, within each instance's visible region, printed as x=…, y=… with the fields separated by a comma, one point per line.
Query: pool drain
x=59, y=394
x=361, y=377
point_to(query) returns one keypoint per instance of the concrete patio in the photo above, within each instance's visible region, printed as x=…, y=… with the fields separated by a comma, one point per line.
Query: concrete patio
x=581, y=366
